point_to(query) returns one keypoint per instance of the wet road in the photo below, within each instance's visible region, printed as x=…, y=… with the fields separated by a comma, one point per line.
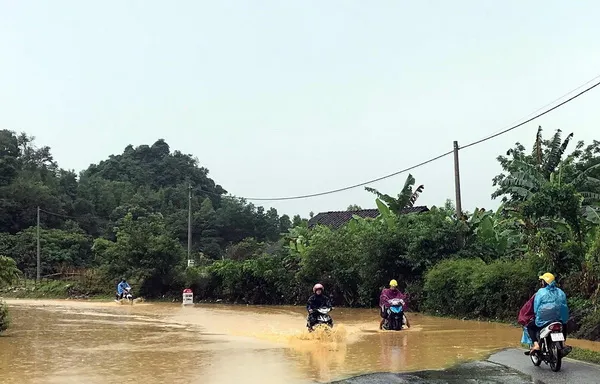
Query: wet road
x=506, y=367
x=98, y=343
x=480, y=372
x=571, y=372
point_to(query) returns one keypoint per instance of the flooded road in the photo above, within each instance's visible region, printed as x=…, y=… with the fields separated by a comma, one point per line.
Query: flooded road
x=92, y=342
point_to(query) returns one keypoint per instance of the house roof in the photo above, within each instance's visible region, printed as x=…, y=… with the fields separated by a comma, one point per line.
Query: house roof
x=336, y=219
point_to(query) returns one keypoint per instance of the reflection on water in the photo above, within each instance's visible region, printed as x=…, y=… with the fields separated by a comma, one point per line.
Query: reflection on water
x=81, y=342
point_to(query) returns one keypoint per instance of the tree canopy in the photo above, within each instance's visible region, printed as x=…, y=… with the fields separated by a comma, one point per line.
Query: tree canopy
x=127, y=217
x=142, y=185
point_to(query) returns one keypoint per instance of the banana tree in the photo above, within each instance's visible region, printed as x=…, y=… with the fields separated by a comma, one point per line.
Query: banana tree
x=405, y=199
x=529, y=175
x=298, y=239
x=526, y=174
x=498, y=230
x=589, y=189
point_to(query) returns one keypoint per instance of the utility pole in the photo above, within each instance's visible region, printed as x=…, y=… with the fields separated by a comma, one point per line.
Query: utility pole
x=457, y=182
x=38, y=246
x=189, y=249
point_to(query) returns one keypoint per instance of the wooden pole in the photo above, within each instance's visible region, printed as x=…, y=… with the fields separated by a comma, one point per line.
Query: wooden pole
x=39, y=272
x=457, y=182
x=189, y=246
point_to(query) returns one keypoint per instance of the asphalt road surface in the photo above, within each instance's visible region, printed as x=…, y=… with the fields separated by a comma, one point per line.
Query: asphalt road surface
x=572, y=371
x=510, y=366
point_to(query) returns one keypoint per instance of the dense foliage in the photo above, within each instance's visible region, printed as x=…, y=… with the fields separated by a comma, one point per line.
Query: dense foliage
x=127, y=216
x=4, y=319
x=549, y=221
x=8, y=274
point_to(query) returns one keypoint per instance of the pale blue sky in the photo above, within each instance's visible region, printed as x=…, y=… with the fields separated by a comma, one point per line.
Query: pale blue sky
x=283, y=98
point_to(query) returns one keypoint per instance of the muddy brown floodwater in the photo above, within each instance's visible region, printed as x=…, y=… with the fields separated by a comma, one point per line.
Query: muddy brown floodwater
x=90, y=342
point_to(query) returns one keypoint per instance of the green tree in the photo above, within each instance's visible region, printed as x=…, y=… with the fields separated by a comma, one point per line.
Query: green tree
x=8, y=271
x=298, y=221
x=499, y=233
x=284, y=224
x=9, y=157
x=144, y=251
x=60, y=249
x=4, y=318
x=406, y=198
x=524, y=175
x=546, y=190
x=8, y=274
x=245, y=249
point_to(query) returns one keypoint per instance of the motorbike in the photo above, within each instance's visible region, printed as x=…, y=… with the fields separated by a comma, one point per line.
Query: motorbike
x=395, y=315
x=552, y=347
x=322, y=317
x=127, y=296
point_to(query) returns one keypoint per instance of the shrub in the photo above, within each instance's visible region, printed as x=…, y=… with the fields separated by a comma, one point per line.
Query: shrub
x=199, y=280
x=4, y=318
x=449, y=289
x=471, y=288
x=589, y=326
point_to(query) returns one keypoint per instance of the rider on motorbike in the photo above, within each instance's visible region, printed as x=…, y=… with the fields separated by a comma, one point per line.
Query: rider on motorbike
x=549, y=305
x=316, y=301
x=387, y=294
x=121, y=287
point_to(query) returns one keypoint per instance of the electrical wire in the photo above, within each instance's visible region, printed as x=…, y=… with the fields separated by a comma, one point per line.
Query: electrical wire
x=69, y=217
x=554, y=101
x=351, y=186
x=306, y=196
x=532, y=118
x=546, y=111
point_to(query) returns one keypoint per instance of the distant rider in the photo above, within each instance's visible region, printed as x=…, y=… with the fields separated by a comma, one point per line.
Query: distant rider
x=316, y=301
x=121, y=287
x=549, y=305
x=387, y=294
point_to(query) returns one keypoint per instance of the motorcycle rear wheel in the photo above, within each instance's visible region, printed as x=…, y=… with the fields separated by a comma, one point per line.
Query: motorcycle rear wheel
x=555, y=357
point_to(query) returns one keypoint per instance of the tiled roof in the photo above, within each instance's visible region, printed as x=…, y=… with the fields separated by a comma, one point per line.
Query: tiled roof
x=336, y=219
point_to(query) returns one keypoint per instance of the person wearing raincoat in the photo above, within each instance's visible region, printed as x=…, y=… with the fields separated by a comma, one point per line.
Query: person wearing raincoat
x=121, y=287
x=526, y=316
x=387, y=294
x=549, y=305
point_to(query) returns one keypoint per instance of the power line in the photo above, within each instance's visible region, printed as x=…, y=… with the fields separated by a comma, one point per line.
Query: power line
x=555, y=100
x=69, y=217
x=437, y=157
x=306, y=196
x=532, y=118
x=352, y=186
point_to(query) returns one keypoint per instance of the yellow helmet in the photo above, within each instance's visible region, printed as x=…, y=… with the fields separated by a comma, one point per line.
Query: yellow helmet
x=547, y=277
x=393, y=283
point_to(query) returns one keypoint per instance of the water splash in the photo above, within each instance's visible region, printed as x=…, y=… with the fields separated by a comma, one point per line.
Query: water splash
x=322, y=332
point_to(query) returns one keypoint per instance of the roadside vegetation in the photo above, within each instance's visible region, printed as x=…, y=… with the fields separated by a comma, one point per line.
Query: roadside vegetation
x=127, y=216
x=8, y=274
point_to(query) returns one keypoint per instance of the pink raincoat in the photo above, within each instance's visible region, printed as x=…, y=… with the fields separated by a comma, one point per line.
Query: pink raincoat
x=388, y=294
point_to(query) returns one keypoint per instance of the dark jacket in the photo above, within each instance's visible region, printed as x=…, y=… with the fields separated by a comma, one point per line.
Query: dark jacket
x=318, y=301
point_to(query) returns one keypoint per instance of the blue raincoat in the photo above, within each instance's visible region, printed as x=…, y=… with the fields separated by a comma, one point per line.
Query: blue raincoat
x=122, y=286
x=550, y=304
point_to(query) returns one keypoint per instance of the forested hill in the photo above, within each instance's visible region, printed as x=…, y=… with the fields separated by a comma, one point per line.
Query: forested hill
x=141, y=181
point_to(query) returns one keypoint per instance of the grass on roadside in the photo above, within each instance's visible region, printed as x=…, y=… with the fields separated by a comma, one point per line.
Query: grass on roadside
x=585, y=355
x=52, y=289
